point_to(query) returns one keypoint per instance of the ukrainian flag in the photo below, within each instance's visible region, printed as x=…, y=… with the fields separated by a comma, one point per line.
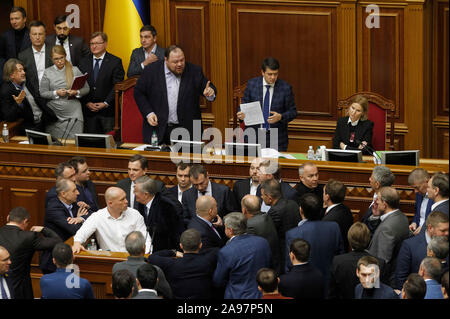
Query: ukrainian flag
x=123, y=20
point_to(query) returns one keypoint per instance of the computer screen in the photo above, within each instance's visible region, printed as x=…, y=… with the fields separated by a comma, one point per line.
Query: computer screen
x=400, y=157
x=242, y=149
x=94, y=140
x=35, y=137
x=336, y=155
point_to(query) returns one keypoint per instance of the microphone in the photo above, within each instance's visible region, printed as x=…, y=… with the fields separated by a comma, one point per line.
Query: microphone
x=70, y=131
x=370, y=150
x=64, y=133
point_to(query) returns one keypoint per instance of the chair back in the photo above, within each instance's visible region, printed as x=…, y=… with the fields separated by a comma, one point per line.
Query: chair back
x=131, y=119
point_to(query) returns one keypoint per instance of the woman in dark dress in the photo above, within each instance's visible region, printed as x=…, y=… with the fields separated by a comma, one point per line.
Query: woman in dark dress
x=354, y=131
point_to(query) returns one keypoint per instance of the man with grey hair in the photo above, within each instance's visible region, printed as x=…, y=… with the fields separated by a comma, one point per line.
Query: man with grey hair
x=381, y=176
x=430, y=270
x=135, y=245
x=393, y=229
x=162, y=215
x=239, y=261
x=309, y=181
x=438, y=247
x=418, y=179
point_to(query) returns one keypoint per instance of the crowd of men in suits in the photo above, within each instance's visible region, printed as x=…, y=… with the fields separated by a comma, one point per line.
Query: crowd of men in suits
x=209, y=241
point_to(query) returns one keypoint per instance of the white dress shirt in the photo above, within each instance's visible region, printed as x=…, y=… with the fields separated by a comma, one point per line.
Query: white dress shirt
x=66, y=47
x=146, y=54
x=437, y=204
x=384, y=216
x=330, y=208
x=423, y=209
x=131, y=203
x=208, y=190
x=39, y=59
x=253, y=188
x=111, y=232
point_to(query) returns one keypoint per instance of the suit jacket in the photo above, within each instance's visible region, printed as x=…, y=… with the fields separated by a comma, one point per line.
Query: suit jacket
x=226, y=202
x=10, y=111
x=138, y=56
x=342, y=215
x=164, y=222
x=325, y=242
x=302, y=282
x=302, y=190
x=417, y=204
x=387, y=239
x=412, y=251
x=384, y=292
x=287, y=192
x=54, y=286
x=209, y=236
x=150, y=94
x=283, y=102
x=372, y=224
x=240, y=189
x=433, y=290
x=442, y=207
x=285, y=215
x=237, y=265
x=191, y=276
x=133, y=263
x=8, y=48
x=125, y=184
x=146, y=295
x=102, y=90
x=263, y=226
x=78, y=48
x=343, y=279
x=22, y=245
x=363, y=132
x=92, y=202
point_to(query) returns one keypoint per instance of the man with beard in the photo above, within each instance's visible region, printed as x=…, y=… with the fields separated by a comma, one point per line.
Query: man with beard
x=75, y=46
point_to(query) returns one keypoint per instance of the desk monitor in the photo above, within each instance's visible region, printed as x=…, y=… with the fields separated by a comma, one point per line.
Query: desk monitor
x=192, y=146
x=35, y=137
x=400, y=157
x=94, y=140
x=242, y=149
x=336, y=155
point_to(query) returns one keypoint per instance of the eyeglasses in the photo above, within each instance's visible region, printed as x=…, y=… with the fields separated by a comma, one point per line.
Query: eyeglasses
x=95, y=43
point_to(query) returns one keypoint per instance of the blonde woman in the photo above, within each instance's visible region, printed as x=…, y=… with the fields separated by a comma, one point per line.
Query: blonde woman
x=55, y=86
x=354, y=131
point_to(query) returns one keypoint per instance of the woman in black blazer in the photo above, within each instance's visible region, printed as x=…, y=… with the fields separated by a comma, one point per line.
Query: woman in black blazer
x=354, y=131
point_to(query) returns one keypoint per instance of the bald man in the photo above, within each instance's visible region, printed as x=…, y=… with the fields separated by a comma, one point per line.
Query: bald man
x=112, y=224
x=208, y=222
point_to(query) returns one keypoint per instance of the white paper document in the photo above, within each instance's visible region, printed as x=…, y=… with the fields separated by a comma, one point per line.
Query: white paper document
x=253, y=113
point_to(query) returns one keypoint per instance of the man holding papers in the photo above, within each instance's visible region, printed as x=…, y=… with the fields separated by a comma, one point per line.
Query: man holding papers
x=276, y=102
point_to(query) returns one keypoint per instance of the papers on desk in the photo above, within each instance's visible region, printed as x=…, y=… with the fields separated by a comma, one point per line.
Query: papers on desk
x=253, y=113
x=24, y=142
x=272, y=153
x=141, y=147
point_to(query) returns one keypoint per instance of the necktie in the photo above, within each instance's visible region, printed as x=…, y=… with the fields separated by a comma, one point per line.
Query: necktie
x=96, y=68
x=266, y=112
x=61, y=42
x=2, y=289
x=203, y=193
x=70, y=211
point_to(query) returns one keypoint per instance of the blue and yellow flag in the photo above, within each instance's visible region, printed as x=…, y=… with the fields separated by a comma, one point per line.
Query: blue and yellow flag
x=123, y=20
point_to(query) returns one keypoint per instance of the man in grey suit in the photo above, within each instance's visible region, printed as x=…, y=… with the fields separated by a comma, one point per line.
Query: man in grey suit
x=146, y=279
x=391, y=232
x=75, y=47
x=438, y=191
x=135, y=245
x=148, y=53
x=261, y=224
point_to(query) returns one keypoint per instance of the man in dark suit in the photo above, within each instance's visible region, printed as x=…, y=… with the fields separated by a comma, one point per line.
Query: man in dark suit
x=277, y=102
x=393, y=229
x=239, y=260
x=183, y=181
x=17, y=38
x=324, y=237
x=283, y=212
x=262, y=225
x=247, y=186
x=137, y=167
x=225, y=200
x=22, y=245
x=148, y=53
x=167, y=94
x=381, y=177
x=418, y=179
x=146, y=279
x=303, y=281
x=333, y=198
x=309, y=181
x=370, y=286
x=54, y=286
x=343, y=279
x=163, y=216
x=190, y=274
x=208, y=223
x=105, y=70
x=430, y=270
x=36, y=59
x=413, y=250
x=76, y=48
x=438, y=191
x=85, y=186
x=6, y=291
